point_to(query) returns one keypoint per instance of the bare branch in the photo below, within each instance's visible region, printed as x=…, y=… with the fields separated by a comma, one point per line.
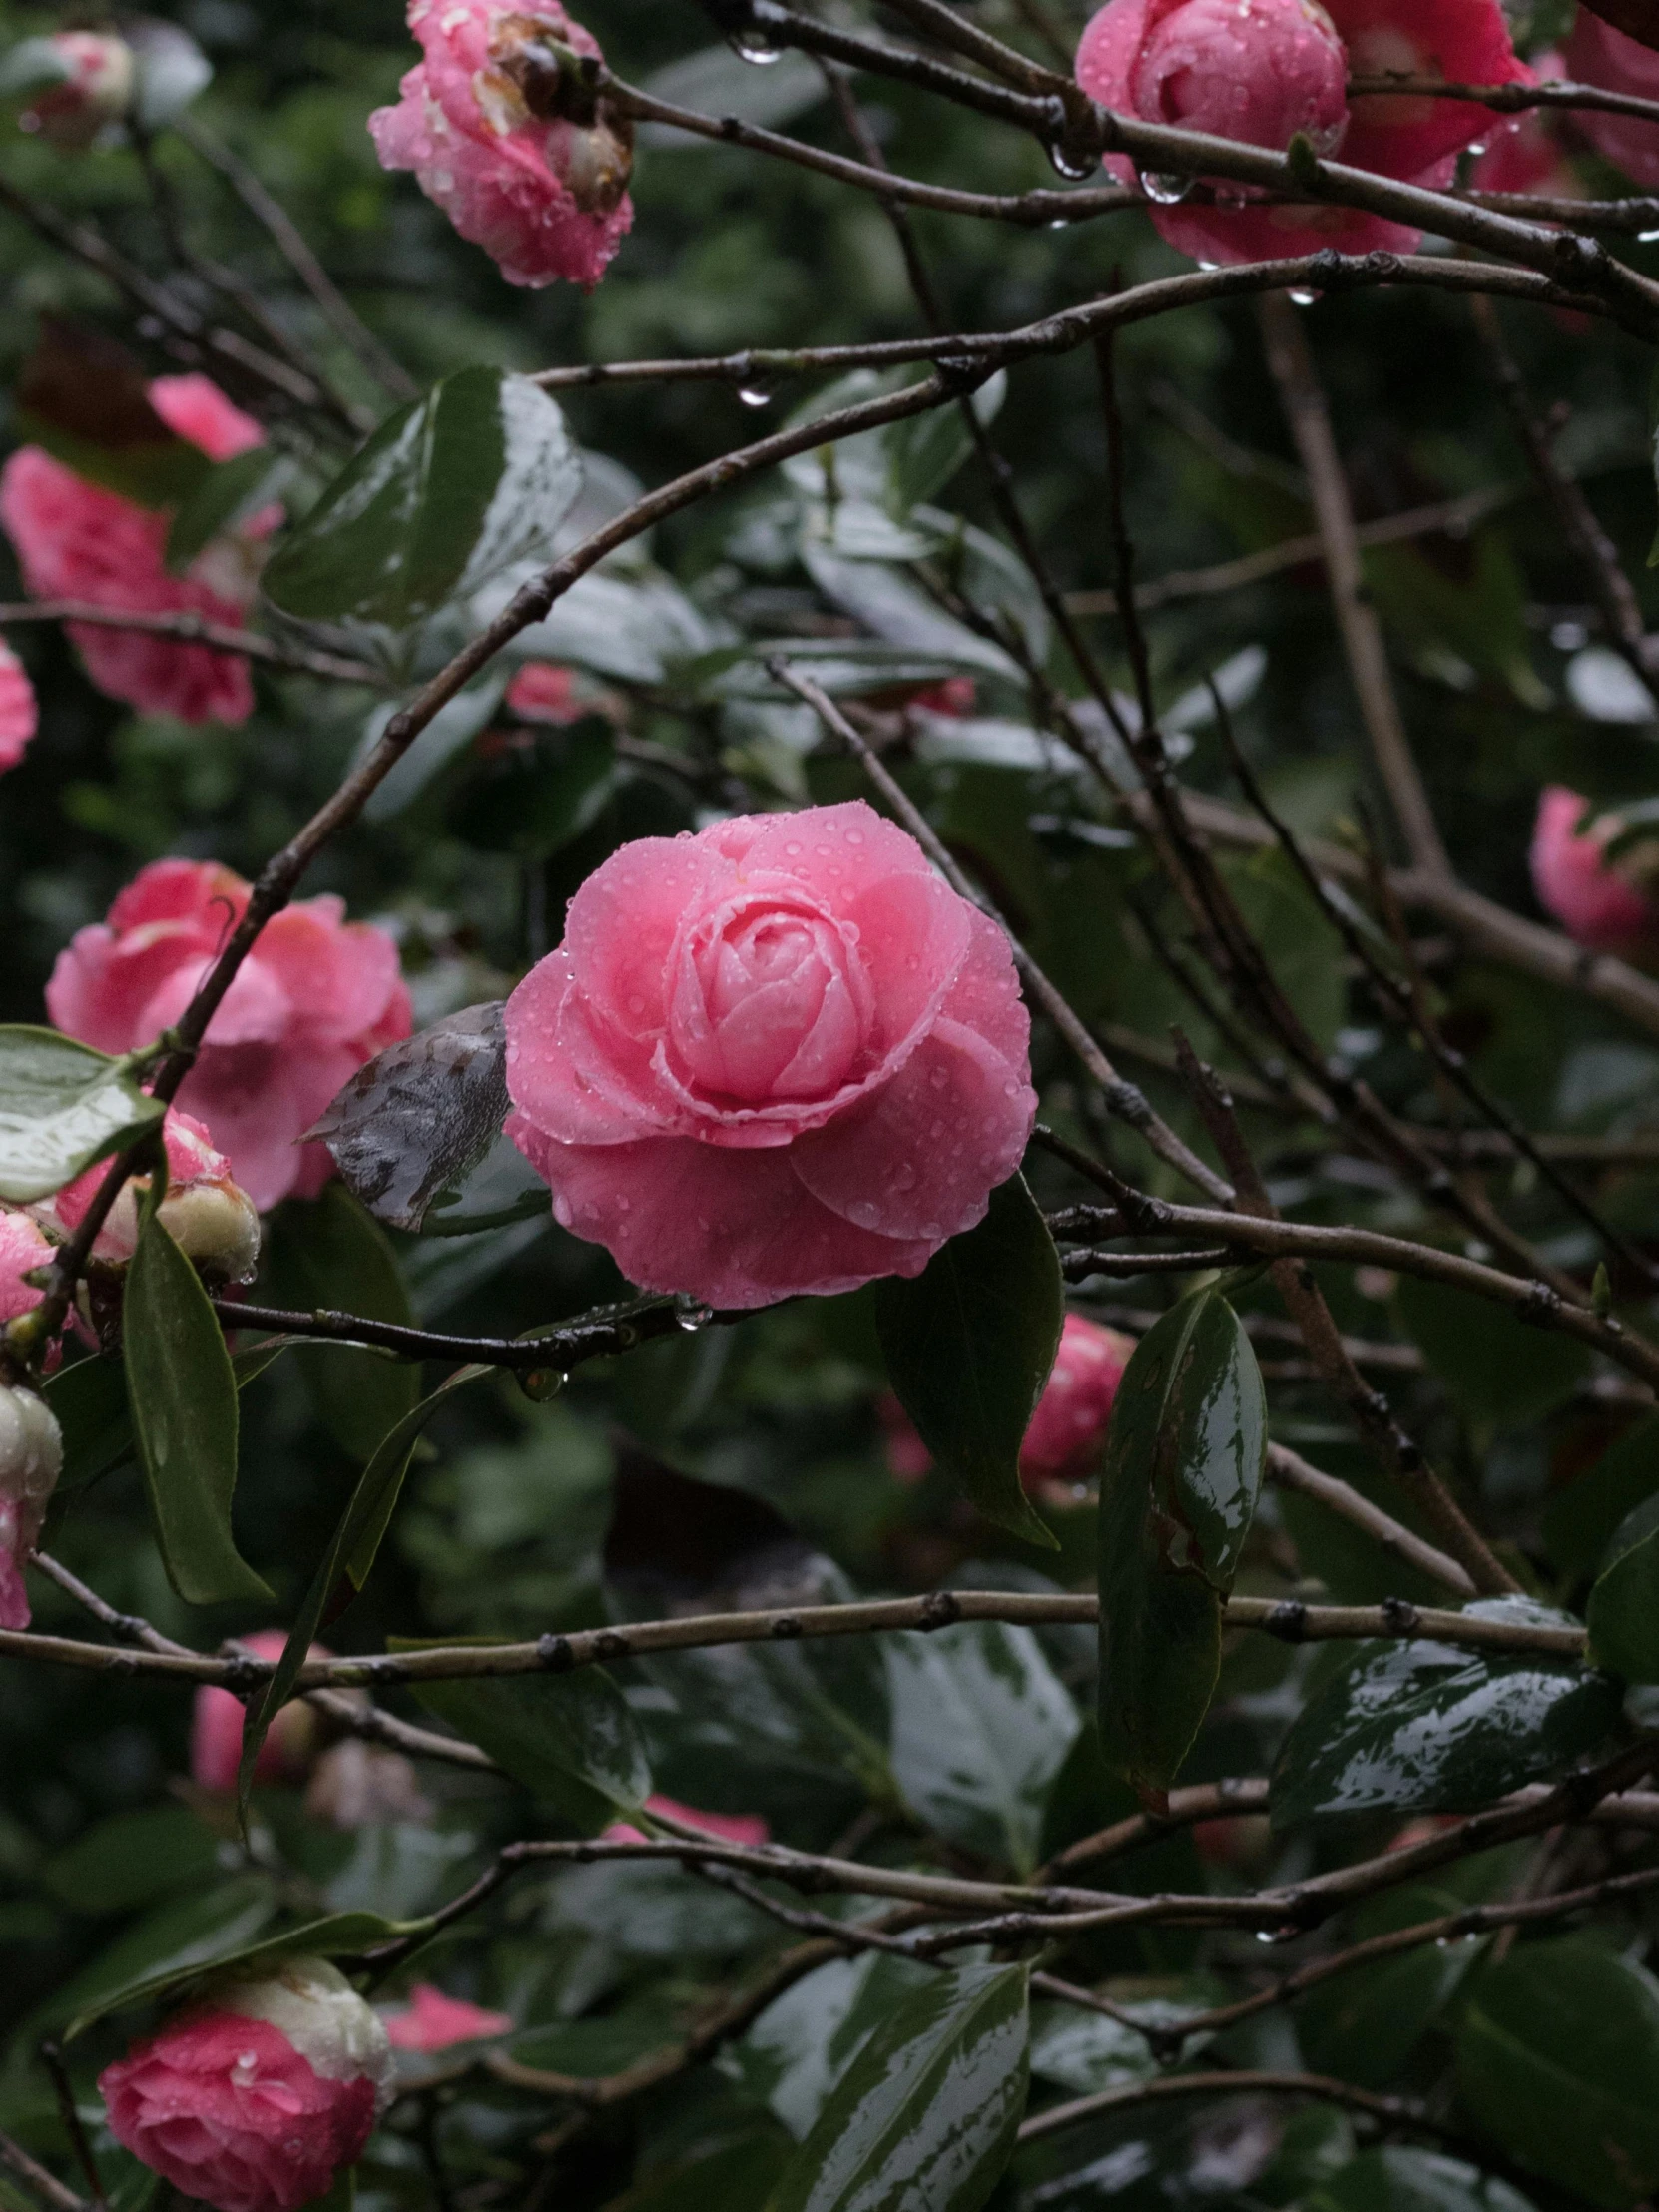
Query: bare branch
x=193, y=629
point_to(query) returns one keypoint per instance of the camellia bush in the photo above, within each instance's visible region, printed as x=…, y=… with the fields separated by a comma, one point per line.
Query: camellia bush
x=829, y=1107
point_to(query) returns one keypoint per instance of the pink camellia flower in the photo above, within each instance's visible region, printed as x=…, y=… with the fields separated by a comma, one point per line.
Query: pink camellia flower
x=209, y=1216
x=31, y=1459
x=518, y=159
x=253, y=2097
x=1596, y=54
x=1524, y=152
x=779, y=1056
x=19, y=716
x=543, y=691
x=22, y=1249
x=75, y=540
x=314, y=1000
x=96, y=93
x=434, y=2021
x=731, y=1828
x=1262, y=71
x=216, y=1720
x=1593, y=899
x=1068, y=1429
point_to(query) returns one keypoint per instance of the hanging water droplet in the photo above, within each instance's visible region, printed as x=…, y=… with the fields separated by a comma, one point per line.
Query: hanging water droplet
x=754, y=46
x=754, y=395
x=539, y=1385
x=1167, y=190
x=691, y=1314
x=1073, y=167
x=1647, y=238
x=1060, y=222
x=1303, y=299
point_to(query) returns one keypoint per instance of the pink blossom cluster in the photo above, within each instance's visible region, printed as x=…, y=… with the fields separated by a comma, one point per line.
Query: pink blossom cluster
x=1067, y=1431
x=76, y=541
x=1263, y=72
x=1602, y=905
x=781, y=1055
x=315, y=998
x=488, y=123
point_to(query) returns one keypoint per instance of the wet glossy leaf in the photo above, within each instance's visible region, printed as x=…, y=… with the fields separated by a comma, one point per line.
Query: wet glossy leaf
x=62, y=1106
x=225, y=498
x=1365, y=2024
x=179, y=1938
x=1401, y=2178
x=925, y=2116
x=447, y=493
x=1498, y=1371
x=980, y=1728
x=571, y=1741
x=327, y=1255
x=1558, y=2060
x=91, y=1403
x=1581, y=1521
x=1426, y=1728
x=183, y=1393
x=804, y=2043
x=1623, y=1614
x=969, y=1345
x=1183, y=1461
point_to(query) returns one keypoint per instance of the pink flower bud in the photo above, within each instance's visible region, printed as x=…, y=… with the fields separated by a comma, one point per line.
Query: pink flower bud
x=97, y=92
x=22, y=1250
x=31, y=1459
x=731, y=1828
x=542, y=691
x=253, y=2097
x=19, y=716
x=1593, y=898
x=1068, y=1429
x=521, y=159
x=1596, y=54
x=216, y=1730
x=434, y=2021
x=209, y=1216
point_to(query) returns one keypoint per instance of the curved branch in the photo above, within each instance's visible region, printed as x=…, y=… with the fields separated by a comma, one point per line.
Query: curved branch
x=192, y=628
x=1392, y=2112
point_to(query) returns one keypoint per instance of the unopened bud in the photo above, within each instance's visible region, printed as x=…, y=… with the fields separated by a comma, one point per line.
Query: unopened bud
x=31, y=1459
x=94, y=91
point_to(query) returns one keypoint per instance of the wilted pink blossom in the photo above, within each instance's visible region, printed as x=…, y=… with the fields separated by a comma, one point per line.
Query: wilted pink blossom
x=207, y=1213
x=779, y=1056
x=97, y=92
x=19, y=716
x=216, y=1729
x=434, y=2021
x=314, y=1000
x=1591, y=896
x=1068, y=1429
x=519, y=162
x=1596, y=54
x=31, y=1459
x=75, y=540
x=253, y=2097
x=731, y=1828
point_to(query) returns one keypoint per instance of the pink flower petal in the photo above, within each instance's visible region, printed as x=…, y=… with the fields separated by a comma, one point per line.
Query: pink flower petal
x=19, y=716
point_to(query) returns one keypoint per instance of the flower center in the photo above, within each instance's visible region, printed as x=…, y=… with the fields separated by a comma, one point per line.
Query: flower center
x=768, y=1000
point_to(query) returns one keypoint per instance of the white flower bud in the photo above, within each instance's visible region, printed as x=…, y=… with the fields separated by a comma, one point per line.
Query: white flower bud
x=94, y=91
x=339, y=2035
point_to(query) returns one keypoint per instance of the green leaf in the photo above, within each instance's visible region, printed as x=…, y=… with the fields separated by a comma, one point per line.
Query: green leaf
x=969, y=1345
x=573, y=1742
x=91, y=1403
x=1426, y=1728
x=1581, y=1521
x=1499, y=1372
x=225, y=496
x=1401, y=2178
x=540, y=799
x=1183, y=1460
x=1623, y=1614
x=1365, y=2024
x=350, y=1555
x=1558, y=2060
x=982, y=1726
x=132, y=1858
x=924, y=2119
x=326, y=1252
x=926, y=451
x=175, y=1941
x=447, y=493
x=804, y=2040
x=62, y=1106
x=737, y=2175
x=183, y=1393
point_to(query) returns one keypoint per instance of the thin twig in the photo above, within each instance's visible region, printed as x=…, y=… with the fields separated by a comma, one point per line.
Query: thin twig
x=50, y=2191
x=193, y=629
x=1391, y=2112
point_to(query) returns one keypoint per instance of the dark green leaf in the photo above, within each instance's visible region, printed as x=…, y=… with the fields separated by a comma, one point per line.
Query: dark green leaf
x=180, y=1939
x=1300, y=943
x=980, y=1728
x=62, y=1106
x=158, y=471
x=736, y=2175
x=326, y=1254
x=1580, y=1521
x=1623, y=1615
x=90, y=1400
x=225, y=496
x=1365, y=2024
x=183, y=1394
x=1183, y=1461
x=926, y=451
x=1558, y=2059
x=350, y=1555
x=537, y=801
x=924, y=2118
x=1499, y=1372
x=132, y=1858
x=969, y=1345
x=1426, y=1728
x=1402, y=2178
x=804, y=2043
x=572, y=1740
x=447, y=493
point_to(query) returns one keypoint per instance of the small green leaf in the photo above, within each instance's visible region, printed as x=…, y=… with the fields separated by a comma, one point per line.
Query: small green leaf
x=1184, y=1462
x=1581, y=1521
x=1498, y=1371
x=1401, y=2178
x=924, y=2119
x=447, y=493
x=1558, y=2060
x=173, y=1942
x=183, y=1393
x=969, y=1345
x=62, y=1106
x=1623, y=1614
x=574, y=1743
x=1428, y=1728
x=1365, y=2024
x=225, y=496
x=326, y=1252
x=350, y=1553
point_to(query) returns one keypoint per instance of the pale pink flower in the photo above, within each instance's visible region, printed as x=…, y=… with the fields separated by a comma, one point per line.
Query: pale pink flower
x=216, y=1720
x=1596, y=904
x=543, y=691
x=730, y=1827
x=1068, y=1429
x=779, y=1056
x=31, y=1459
x=75, y=540
x=97, y=92
x=494, y=137
x=1262, y=71
x=314, y=1000
x=253, y=2097
x=22, y=1249
x=434, y=2021
x=19, y=716
x=1596, y=54
x=208, y=1214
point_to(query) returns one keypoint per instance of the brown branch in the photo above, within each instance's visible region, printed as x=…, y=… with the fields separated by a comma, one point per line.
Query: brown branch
x=47, y=2188
x=1291, y=1472
x=193, y=629
x=1391, y=2112
x=1551, y=92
